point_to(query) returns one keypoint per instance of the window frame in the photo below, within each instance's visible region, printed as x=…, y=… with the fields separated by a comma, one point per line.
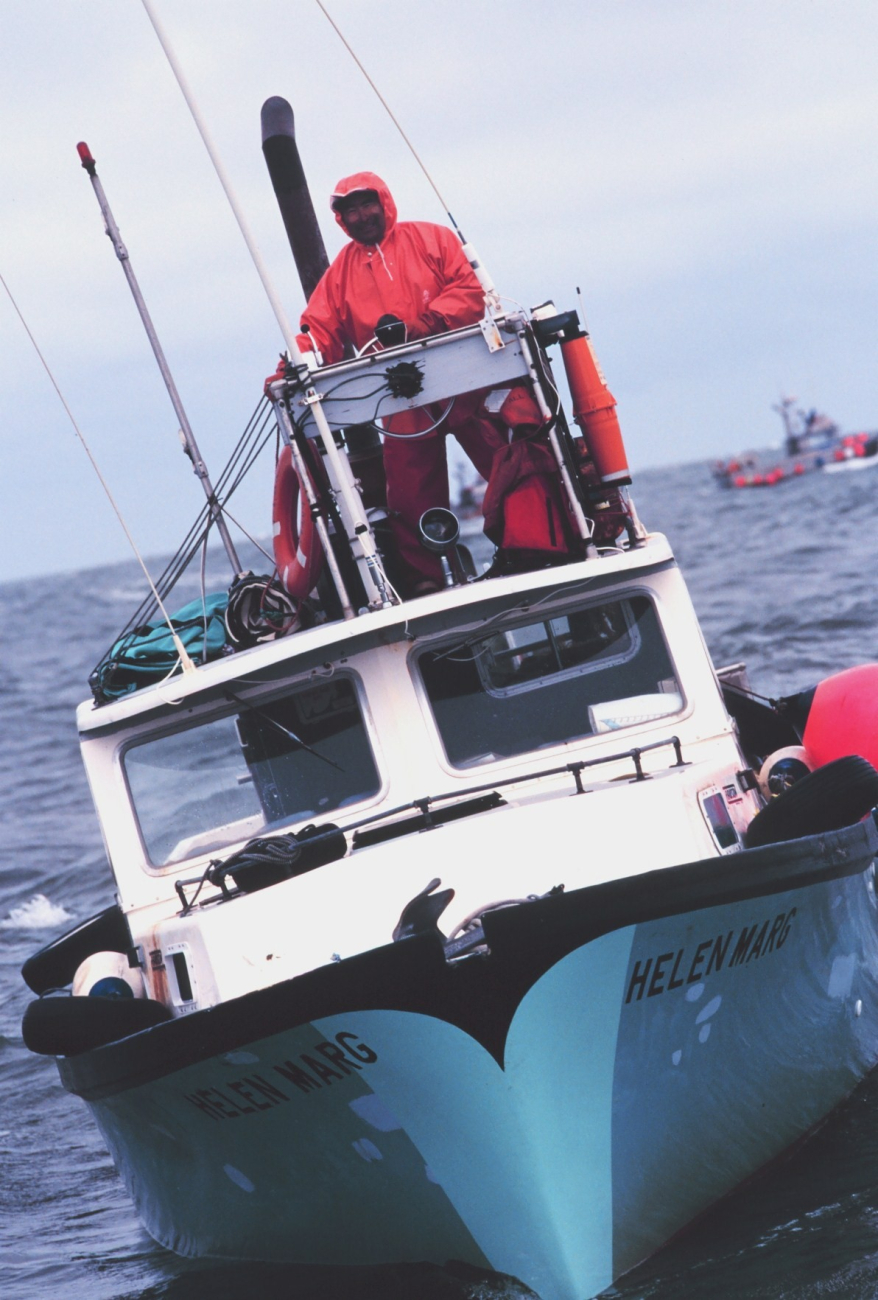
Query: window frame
x=261, y=698
x=523, y=618
x=562, y=674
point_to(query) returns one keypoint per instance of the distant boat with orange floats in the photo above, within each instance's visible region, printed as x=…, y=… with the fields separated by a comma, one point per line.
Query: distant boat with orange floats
x=811, y=442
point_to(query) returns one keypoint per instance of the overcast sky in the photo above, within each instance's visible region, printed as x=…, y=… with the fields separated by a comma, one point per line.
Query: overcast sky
x=706, y=171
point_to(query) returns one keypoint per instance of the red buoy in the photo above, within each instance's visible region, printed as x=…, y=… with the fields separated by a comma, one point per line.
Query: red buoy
x=843, y=718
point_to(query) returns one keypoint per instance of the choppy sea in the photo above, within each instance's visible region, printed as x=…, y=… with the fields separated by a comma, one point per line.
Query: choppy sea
x=783, y=578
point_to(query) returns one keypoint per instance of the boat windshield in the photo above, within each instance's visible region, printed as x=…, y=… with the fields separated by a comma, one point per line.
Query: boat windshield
x=205, y=786
x=595, y=669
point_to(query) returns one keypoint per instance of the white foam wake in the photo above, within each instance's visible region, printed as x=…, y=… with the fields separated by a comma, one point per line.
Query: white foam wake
x=38, y=914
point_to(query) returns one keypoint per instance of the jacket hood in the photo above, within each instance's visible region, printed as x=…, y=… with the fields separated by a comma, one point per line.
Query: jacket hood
x=365, y=181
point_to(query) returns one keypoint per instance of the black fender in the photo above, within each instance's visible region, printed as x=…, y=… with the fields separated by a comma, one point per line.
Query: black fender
x=827, y=799
x=66, y=1026
x=54, y=966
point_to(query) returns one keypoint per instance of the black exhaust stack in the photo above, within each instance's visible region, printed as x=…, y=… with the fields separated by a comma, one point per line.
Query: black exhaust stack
x=293, y=197
x=294, y=200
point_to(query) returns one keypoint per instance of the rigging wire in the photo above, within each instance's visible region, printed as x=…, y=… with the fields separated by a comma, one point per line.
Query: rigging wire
x=492, y=298
x=184, y=554
x=252, y=442
x=252, y=247
x=252, y=540
x=390, y=113
x=185, y=661
x=373, y=577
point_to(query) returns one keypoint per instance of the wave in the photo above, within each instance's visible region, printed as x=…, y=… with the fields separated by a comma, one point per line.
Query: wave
x=38, y=914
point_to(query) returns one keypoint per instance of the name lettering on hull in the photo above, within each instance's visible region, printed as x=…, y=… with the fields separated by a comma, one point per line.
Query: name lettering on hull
x=672, y=970
x=309, y=1072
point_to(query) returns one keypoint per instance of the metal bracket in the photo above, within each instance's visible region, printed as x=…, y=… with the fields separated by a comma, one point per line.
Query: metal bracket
x=491, y=333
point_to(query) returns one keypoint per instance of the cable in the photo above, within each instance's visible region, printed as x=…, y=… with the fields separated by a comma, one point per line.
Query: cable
x=252, y=442
x=250, y=539
x=252, y=247
x=354, y=379
x=186, y=662
x=492, y=298
x=421, y=433
x=391, y=115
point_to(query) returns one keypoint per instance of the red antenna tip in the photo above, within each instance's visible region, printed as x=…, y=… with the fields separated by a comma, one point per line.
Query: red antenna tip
x=85, y=157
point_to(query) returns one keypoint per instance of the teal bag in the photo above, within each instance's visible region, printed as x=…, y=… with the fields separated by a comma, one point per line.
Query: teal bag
x=147, y=653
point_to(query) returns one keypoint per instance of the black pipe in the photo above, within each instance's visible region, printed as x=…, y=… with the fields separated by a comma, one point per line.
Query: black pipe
x=294, y=200
x=293, y=197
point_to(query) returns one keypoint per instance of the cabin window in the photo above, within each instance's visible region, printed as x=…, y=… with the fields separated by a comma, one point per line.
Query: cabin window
x=293, y=759
x=603, y=667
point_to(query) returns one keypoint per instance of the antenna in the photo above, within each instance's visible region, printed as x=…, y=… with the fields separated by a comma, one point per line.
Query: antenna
x=358, y=526
x=262, y=270
x=491, y=295
x=389, y=112
x=581, y=308
x=190, y=446
x=186, y=663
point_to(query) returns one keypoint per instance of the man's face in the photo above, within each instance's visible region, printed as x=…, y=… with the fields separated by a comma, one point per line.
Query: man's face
x=363, y=216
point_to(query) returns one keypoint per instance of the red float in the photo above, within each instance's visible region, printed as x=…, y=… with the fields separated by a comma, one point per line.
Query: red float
x=594, y=410
x=843, y=718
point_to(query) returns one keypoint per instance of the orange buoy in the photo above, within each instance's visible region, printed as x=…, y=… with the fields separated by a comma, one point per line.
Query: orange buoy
x=297, y=549
x=843, y=718
x=594, y=410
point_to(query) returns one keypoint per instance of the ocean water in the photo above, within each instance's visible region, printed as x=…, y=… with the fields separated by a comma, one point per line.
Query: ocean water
x=782, y=578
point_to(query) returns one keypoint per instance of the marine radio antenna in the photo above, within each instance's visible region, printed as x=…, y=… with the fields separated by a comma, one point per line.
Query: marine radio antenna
x=190, y=446
x=369, y=562
x=491, y=295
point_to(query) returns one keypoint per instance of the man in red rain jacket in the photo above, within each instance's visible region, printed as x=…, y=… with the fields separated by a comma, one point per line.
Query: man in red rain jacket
x=416, y=271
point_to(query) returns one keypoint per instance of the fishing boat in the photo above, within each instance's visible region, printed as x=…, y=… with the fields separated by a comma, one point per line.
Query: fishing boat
x=811, y=442
x=495, y=924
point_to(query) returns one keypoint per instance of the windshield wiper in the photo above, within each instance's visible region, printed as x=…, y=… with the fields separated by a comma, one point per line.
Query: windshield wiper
x=273, y=722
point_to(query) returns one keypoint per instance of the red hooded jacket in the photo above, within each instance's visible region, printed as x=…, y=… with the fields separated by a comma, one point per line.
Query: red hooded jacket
x=418, y=272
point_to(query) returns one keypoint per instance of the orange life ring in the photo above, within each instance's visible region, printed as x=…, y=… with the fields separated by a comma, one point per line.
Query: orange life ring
x=297, y=549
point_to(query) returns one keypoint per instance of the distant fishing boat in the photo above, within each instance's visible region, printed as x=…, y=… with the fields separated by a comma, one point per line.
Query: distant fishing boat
x=811, y=442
